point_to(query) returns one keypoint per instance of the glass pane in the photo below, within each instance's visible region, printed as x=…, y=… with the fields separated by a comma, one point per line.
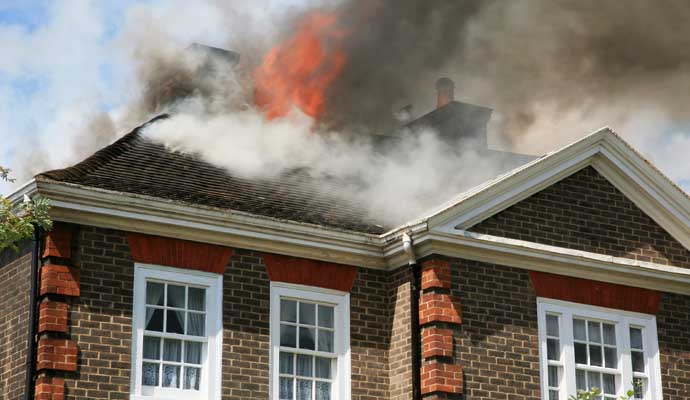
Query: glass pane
x=176, y=296
x=154, y=293
x=323, y=367
x=288, y=336
x=595, y=355
x=304, y=367
x=149, y=374
x=553, y=394
x=610, y=357
x=326, y=316
x=609, y=384
x=285, y=388
x=172, y=350
x=579, y=329
x=580, y=353
x=306, y=338
x=192, y=376
x=637, y=361
x=580, y=380
x=197, y=299
x=639, y=386
x=593, y=380
x=609, y=334
x=175, y=321
x=152, y=348
x=154, y=319
x=192, y=352
x=303, y=389
x=636, y=338
x=196, y=324
x=325, y=340
x=288, y=311
x=551, y=325
x=285, y=364
x=171, y=376
x=323, y=391
x=553, y=376
x=307, y=314
x=593, y=328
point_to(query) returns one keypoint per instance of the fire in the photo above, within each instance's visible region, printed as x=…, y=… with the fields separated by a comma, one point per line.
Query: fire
x=298, y=71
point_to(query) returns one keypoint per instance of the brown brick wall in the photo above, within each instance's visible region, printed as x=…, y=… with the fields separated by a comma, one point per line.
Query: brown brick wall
x=586, y=212
x=673, y=321
x=15, y=277
x=400, y=350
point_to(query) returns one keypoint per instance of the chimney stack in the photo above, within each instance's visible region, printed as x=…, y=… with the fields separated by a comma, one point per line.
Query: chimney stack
x=445, y=87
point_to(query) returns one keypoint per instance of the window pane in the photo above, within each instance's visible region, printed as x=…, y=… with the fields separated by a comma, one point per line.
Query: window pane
x=323, y=391
x=285, y=364
x=171, y=376
x=579, y=329
x=553, y=376
x=149, y=374
x=580, y=353
x=288, y=336
x=307, y=314
x=551, y=325
x=154, y=319
x=304, y=367
x=285, y=388
x=175, y=321
x=593, y=380
x=637, y=361
x=553, y=394
x=195, y=324
x=176, y=296
x=172, y=350
x=609, y=385
x=323, y=367
x=595, y=355
x=288, y=311
x=636, y=338
x=192, y=376
x=580, y=380
x=593, y=328
x=609, y=334
x=326, y=316
x=154, y=293
x=639, y=387
x=610, y=360
x=197, y=299
x=306, y=338
x=152, y=348
x=192, y=352
x=303, y=389
x=325, y=340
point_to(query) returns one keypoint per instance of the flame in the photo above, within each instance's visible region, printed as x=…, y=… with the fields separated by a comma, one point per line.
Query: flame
x=298, y=71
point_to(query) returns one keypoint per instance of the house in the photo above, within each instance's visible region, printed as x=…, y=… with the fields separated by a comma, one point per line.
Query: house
x=165, y=277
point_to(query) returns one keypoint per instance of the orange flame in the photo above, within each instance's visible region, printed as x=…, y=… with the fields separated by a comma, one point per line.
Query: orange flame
x=297, y=72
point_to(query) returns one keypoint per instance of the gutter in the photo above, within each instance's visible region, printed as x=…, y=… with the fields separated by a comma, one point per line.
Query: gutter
x=33, y=293
x=415, y=337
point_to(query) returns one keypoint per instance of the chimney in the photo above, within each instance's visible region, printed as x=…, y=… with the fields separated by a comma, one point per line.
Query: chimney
x=445, y=88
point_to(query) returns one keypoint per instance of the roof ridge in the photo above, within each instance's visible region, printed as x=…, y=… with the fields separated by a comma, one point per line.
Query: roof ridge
x=100, y=157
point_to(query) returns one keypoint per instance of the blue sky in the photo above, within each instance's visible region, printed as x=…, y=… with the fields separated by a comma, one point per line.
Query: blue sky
x=65, y=62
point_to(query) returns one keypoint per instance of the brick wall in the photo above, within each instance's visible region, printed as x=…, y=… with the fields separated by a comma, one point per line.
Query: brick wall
x=673, y=321
x=15, y=277
x=400, y=350
x=585, y=212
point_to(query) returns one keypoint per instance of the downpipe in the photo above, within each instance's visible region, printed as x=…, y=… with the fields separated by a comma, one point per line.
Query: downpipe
x=415, y=337
x=33, y=293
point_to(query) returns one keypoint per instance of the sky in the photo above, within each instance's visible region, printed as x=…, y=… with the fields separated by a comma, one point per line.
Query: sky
x=65, y=62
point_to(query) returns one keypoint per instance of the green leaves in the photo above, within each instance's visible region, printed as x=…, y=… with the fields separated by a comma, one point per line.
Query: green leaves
x=595, y=392
x=17, y=221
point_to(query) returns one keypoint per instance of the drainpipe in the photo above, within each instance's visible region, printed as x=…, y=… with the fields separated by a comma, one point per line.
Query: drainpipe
x=31, y=342
x=416, y=341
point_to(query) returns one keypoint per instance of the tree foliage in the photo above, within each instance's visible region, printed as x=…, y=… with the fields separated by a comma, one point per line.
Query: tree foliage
x=17, y=221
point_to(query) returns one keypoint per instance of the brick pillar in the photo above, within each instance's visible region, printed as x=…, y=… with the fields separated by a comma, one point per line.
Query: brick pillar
x=56, y=352
x=439, y=317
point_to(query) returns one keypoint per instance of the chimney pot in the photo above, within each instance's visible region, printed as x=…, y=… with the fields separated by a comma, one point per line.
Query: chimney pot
x=445, y=87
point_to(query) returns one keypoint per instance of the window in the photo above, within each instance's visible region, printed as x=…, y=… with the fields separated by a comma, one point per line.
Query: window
x=176, y=335
x=310, y=343
x=582, y=347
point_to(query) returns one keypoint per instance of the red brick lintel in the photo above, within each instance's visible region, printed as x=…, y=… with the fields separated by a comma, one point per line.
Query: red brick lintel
x=178, y=253
x=308, y=272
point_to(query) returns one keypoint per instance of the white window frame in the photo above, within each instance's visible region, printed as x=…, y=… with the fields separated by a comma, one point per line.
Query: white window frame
x=210, y=385
x=341, y=301
x=623, y=320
